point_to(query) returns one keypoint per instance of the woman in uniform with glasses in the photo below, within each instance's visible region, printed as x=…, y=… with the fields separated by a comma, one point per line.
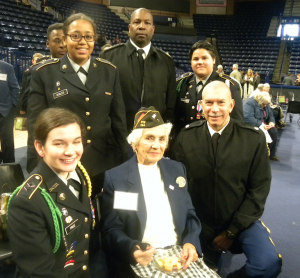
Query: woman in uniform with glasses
x=90, y=88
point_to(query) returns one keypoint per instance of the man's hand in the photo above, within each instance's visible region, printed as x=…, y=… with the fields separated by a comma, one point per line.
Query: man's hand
x=189, y=254
x=222, y=242
x=144, y=257
x=271, y=124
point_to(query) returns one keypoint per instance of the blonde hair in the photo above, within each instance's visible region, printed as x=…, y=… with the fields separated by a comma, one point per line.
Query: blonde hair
x=262, y=97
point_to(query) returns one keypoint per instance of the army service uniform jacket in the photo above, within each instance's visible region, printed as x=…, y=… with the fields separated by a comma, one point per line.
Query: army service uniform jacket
x=232, y=191
x=99, y=104
x=159, y=82
x=31, y=228
x=187, y=98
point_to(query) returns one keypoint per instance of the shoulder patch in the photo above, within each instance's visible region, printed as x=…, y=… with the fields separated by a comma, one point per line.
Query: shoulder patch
x=194, y=124
x=185, y=75
x=33, y=182
x=227, y=77
x=47, y=63
x=114, y=47
x=166, y=53
x=106, y=62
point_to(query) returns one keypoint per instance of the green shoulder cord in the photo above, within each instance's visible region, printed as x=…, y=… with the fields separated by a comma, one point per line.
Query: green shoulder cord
x=179, y=86
x=55, y=212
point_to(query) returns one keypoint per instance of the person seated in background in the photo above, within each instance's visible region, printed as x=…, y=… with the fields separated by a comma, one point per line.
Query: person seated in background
x=297, y=81
x=50, y=216
x=257, y=112
x=145, y=201
x=276, y=109
x=260, y=88
x=220, y=69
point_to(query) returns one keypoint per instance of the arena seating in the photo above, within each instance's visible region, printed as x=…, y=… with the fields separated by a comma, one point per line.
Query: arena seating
x=295, y=58
x=242, y=38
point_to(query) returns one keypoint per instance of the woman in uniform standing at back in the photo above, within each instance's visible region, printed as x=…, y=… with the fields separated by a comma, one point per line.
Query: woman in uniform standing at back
x=88, y=87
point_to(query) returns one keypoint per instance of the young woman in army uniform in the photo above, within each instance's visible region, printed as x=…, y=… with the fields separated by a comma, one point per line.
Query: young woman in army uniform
x=50, y=215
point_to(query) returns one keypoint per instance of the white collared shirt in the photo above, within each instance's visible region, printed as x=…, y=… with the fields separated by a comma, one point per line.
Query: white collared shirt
x=212, y=132
x=146, y=48
x=76, y=67
x=160, y=229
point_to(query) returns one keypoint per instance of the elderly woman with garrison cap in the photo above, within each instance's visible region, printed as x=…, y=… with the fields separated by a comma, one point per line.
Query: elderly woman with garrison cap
x=146, y=203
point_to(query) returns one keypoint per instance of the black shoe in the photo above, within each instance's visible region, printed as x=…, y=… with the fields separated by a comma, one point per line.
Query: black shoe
x=274, y=158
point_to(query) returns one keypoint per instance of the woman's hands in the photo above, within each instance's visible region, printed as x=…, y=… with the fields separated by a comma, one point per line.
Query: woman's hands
x=144, y=257
x=189, y=254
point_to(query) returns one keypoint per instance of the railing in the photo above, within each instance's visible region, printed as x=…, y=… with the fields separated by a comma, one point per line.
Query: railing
x=19, y=60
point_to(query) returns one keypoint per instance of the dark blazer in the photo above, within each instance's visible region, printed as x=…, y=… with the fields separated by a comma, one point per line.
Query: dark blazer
x=159, y=88
x=32, y=234
x=231, y=193
x=121, y=229
x=9, y=89
x=99, y=104
x=187, y=98
x=253, y=113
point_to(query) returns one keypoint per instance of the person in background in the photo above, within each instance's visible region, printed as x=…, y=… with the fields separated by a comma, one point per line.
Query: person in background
x=50, y=216
x=256, y=80
x=229, y=180
x=57, y=49
x=297, y=81
x=259, y=88
x=257, y=112
x=89, y=87
x=220, y=69
x=236, y=74
x=9, y=95
x=190, y=86
x=43, y=5
x=248, y=83
x=25, y=81
x=147, y=73
x=161, y=215
x=288, y=80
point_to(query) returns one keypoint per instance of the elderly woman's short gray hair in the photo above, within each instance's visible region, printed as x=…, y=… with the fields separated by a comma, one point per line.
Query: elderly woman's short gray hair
x=135, y=136
x=262, y=97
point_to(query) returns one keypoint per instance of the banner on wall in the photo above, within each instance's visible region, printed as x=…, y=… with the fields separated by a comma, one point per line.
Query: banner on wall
x=211, y=3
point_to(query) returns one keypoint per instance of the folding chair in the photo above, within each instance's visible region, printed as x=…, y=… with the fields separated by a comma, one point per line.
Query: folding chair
x=293, y=107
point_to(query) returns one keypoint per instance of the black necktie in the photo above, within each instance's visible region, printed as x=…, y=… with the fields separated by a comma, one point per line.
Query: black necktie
x=199, y=90
x=82, y=70
x=76, y=185
x=141, y=64
x=214, y=140
x=199, y=84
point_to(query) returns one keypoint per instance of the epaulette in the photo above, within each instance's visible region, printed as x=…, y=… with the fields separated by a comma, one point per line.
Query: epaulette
x=249, y=127
x=227, y=77
x=48, y=62
x=166, y=53
x=44, y=58
x=194, y=124
x=106, y=62
x=186, y=74
x=113, y=47
x=33, y=183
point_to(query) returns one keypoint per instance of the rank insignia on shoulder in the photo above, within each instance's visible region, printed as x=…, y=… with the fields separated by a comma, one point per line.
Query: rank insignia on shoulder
x=256, y=128
x=181, y=181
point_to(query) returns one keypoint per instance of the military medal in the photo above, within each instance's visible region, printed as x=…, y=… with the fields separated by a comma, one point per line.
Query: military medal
x=64, y=212
x=199, y=109
x=198, y=116
x=181, y=181
x=68, y=219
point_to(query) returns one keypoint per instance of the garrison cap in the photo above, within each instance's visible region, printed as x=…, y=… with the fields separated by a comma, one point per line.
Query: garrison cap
x=147, y=118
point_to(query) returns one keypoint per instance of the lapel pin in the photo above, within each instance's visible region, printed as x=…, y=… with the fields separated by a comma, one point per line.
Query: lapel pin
x=171, y=187
x=181, y=181
x=64, y=66
x=68, y=219
x=57, y=83
x=95, y=65
x=62, y=196
x=64, y=212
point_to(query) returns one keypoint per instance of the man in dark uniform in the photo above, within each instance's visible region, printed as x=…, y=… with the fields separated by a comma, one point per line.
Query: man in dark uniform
x=229, y=181
x=57, y=49
x=9, y=94
x=147, y=74
x=190, y=86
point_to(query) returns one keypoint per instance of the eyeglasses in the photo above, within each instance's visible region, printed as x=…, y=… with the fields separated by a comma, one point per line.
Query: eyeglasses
x=78, y=38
